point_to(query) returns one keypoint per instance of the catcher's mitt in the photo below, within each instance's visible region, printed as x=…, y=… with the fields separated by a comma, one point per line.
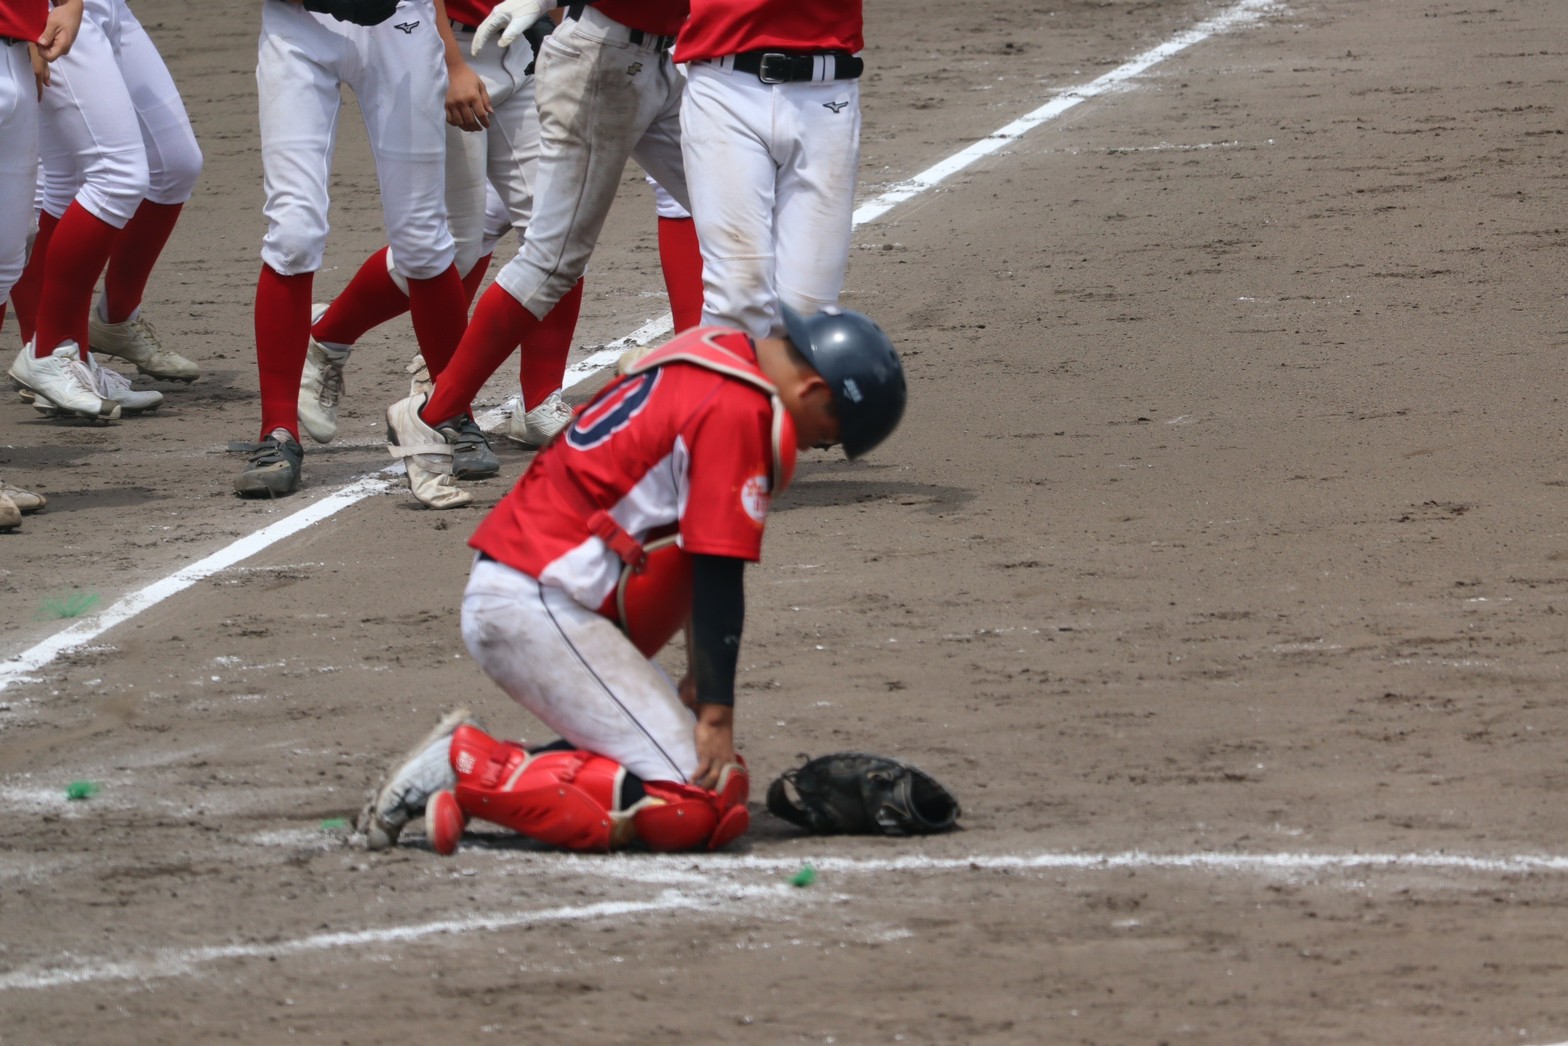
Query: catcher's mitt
x=851, y=793
x=360, y=12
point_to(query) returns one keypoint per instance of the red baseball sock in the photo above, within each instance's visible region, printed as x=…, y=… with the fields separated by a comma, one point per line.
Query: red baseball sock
x=473, y=278
x=370, y=299
x=439, y=314
x=78, y=251
x=135, y=252
x=545, y=350
x=282, y=336
x=498, y=325
x=681, y=259
x=28, y=289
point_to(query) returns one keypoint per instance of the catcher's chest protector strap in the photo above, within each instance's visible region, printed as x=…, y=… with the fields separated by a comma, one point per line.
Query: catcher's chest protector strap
x=572, y=799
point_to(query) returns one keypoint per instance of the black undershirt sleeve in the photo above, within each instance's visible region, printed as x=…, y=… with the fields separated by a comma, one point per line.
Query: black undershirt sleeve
x=718, y=613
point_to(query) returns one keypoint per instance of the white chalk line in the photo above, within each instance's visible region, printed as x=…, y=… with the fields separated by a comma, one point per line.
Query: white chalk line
x=709, y=882
x=16, y=669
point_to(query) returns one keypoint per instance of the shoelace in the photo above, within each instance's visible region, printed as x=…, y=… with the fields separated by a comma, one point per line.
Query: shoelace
x=111, y=383
x=333, y=387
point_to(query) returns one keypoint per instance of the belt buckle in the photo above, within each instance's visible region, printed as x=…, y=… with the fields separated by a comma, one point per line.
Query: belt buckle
x=775, y=59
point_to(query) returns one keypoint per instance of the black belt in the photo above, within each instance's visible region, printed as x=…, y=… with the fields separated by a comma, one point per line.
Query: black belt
x=778, y=67
x=636, y=37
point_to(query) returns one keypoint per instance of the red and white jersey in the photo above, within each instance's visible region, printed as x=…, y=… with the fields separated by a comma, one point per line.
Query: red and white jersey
x=676, y=444
x=717, y=28
x=654, y=17
x=23, y=19
x=469, y=12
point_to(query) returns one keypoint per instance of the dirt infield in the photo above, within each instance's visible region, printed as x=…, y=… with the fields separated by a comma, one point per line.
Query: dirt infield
x=1219, y=566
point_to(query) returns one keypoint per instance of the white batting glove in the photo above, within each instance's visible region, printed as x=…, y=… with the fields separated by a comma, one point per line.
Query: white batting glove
x=511, y=18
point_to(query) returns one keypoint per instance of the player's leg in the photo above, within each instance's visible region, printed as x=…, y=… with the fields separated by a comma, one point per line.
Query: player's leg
x=816, y=192
x=297, y=88
x=577, y=673
x=18, y=169
x=680, y=259
x=95, y=175
x=174, y=162
x=730, y=171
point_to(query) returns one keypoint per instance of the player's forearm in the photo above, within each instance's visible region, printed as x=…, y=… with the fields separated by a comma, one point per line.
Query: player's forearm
x=718, y=615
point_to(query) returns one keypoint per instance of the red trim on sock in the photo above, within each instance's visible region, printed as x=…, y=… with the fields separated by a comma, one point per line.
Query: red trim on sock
x=29, y=289
x=78, y=251
x=545, y=351
x=439, y=313
x=282, y=336
x=681, y=259
x=473, y=278
x=370, y=299
x=136, y=251
x=499, y=325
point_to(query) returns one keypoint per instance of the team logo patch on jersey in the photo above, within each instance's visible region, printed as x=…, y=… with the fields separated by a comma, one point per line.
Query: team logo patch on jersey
x=836, y=107
x=612, y=412
x=465, y=763
x=407, y=27
x=754, y=498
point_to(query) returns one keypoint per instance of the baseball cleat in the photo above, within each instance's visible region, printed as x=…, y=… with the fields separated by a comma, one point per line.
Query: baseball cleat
x=472, y=457
x=274, y=468
x=537, y=427
x=25, y=501
x=408, y=786
x=444, y=822
x=112, y=385
x=137, y=341
x=426, y=454
x=10, y=514
x=62, y=381
x=321, y=384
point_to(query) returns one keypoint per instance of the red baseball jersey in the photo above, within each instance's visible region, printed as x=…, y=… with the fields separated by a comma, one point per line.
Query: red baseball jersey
x=655, y=17
x=679, y=444
x=469, y=12
x=23, y=19
x=717, y=28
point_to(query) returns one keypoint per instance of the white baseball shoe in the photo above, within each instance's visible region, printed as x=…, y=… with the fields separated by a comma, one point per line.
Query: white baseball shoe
x=25, y=501
x=539, y=426
x=137, y=340
x=321, y=384
x=402, y=794
x=426, y=454
x=61, y=381
x=11, y=518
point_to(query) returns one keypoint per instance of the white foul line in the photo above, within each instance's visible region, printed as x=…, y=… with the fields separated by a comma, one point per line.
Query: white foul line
x=80, y=634
x=708, y=882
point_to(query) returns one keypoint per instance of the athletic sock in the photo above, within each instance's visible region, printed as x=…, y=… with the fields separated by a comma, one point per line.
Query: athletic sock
x=498, y=325
x=78, y=251
x=371, y=298
x=28, y=289
x=472, y=279
x=136, y=251
x=545, y=350
x=681, y=259
x=282, y=337
x=438, y=312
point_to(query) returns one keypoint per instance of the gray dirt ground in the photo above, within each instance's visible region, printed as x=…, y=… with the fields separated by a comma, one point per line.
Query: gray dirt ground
x=1225, y=523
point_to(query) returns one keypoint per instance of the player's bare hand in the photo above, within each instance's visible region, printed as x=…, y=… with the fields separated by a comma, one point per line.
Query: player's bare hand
x=60, y=31
x=511, y=18
x=40, y=69
x=715, y=737
x=467, y=102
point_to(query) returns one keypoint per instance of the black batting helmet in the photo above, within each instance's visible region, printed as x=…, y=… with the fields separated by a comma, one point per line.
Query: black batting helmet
x=857, y=360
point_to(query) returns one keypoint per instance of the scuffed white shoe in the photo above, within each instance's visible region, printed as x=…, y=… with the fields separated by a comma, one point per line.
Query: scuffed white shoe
x=112, y=385
x=10, y=515
x=61, y=380
x=420, y=383
x=25, y=500
x=321, y=384
x=537, y=427
x=407, y=787
x=426, y=454
x=137, y=341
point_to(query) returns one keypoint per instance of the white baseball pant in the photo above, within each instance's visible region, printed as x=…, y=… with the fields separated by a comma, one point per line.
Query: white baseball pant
x=772, y=169
x=576, y=672
x=398, y=76
x=18, y=160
